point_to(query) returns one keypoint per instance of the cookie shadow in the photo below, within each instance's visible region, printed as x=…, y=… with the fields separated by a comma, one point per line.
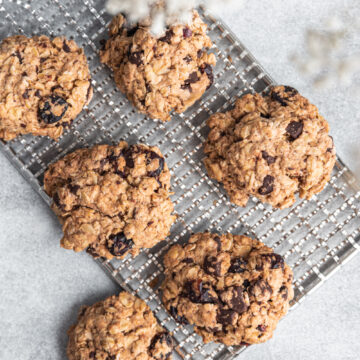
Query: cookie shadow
x=354, y=151
x=71, y=317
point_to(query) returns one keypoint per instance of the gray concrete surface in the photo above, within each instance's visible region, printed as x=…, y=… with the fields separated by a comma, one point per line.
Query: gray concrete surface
x=42, y=286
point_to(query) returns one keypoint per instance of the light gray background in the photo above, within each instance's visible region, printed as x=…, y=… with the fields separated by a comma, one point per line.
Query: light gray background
x=42, y=286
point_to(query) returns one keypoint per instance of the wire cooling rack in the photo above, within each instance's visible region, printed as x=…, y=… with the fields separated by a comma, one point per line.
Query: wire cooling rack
x=316, y=237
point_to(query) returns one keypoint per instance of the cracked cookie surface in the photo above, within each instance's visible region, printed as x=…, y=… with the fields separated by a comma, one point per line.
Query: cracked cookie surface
x=111, y=200
x=234, y=289
x=119, y=327
x=161, y=74
x=271, y=147
x=44, y=85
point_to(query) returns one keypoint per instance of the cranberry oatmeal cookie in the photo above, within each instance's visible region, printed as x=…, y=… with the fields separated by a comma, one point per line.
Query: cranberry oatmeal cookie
x=271, y=147
x=232, y=288
x=161, y=74
x=111, y=200
x=44, y=84
x=118, y=328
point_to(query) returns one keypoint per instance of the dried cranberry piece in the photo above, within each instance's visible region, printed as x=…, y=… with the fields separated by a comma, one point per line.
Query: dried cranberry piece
x=212, y=266
x=102, y=44
x=199, y=53
x=268, y=158
x=52, y=109
x=135, y=57
x=193, y=78
x=277, y=261
x=276, y=97
x=233, y=297
x=25, y=95
x=161, y=338
x=151, y=155
x=90, y=250
x=198, y=292
x=267, y=186
x=284, y=292
x=238, y=266
x=167, y=38
x=66, y=47
x=131, y=31
x=261, y=328
x=261, y=287
x=187, y=32
x=188, y=58
x=64, y=125
x=56, y=199
x=128, y=157
x=218, y=241
x=238, y=301
x=157, y=342
x=92, y=355
x=120, y=244
x=226, y=316
x=188, y=261
x=180, y=319
x=265, y=116
x=186, y=87
x=207, y=69
x=55, y=87
x=112, y=158
x=74, y=188
x=294, y=129
x=17, y=54
x=290, y=90
x=330, y=149
x=120, y=173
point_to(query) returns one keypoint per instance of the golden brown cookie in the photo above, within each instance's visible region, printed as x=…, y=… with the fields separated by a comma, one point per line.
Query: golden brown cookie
x=118, y=328
x=111, y=200
x=44, y=84
x=234, y=289
x=271, y=147
x=161, y=74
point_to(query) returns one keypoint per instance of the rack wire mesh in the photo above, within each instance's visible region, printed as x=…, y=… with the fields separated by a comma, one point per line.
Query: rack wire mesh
x=316, y=237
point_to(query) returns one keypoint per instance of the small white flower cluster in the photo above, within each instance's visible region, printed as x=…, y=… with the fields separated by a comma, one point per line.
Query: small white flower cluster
x=326, y=60
x=163, y=12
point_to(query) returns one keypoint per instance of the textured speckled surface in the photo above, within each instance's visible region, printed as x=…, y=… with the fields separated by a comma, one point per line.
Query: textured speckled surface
x=42, y=286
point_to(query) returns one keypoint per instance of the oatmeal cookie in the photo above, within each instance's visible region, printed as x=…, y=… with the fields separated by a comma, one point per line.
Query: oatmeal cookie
x=232, y=288
x=271, y=147
x=44, y=84
x=120, y=327
x=161, y=74
x=111, y=200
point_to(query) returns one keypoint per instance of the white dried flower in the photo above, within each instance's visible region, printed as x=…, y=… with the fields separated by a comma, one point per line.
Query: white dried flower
x=135, y=9
x=326, y=60
x=158, y=23
x=164, y=12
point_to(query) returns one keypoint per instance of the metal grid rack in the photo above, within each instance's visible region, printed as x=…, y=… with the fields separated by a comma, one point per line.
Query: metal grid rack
x=316, y=237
